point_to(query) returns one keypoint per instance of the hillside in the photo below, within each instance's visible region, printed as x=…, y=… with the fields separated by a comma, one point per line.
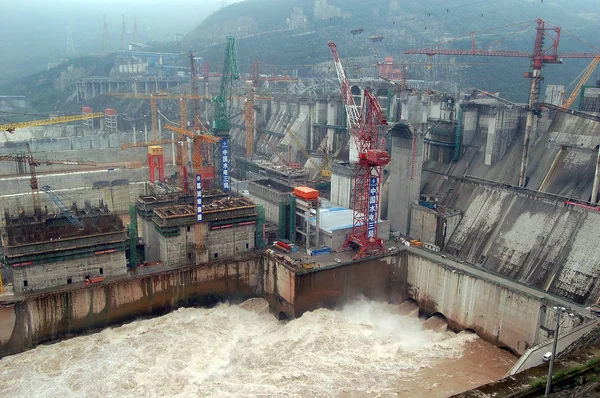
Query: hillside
x=265, y=32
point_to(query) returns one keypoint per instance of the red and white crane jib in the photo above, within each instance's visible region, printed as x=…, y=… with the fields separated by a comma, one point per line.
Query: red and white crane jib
x=349, y=104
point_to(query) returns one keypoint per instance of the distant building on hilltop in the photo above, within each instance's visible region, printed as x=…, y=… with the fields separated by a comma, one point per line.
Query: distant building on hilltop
x=322, y=10
x=297, y=20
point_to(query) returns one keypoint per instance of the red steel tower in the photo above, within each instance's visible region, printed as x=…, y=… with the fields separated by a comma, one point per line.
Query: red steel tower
x=364, y=130
x=543, y=53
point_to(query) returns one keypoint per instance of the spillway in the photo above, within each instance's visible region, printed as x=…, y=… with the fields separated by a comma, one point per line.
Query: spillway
x=365, y=348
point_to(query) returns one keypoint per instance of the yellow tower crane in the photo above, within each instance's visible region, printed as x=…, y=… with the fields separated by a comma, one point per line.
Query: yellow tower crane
x=11, y=127
x=587, y=72
x=323, y=168
x=197, y=167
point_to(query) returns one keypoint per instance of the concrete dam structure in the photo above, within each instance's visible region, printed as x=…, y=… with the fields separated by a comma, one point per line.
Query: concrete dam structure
x=500, y=311
x=537, y=234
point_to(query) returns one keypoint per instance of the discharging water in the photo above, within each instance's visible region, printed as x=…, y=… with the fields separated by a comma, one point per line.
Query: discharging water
x=367, y=349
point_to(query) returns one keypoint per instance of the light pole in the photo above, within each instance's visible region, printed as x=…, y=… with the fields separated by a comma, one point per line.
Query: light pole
x=558, y=312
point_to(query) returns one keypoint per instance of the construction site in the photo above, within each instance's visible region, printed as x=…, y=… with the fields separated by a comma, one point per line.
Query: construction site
x=380, y=186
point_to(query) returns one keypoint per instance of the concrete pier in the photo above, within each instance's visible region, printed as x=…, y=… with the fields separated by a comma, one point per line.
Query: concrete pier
x=405, y=181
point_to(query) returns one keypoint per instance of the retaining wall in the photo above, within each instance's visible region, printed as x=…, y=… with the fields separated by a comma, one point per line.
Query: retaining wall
x=37, y=318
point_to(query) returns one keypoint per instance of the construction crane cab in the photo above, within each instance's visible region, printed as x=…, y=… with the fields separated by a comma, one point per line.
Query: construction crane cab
x=374, y=157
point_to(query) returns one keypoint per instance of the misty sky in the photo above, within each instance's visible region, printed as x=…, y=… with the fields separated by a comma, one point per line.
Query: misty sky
x=36, y=30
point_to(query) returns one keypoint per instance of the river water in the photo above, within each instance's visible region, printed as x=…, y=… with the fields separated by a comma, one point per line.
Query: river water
x=366, y=349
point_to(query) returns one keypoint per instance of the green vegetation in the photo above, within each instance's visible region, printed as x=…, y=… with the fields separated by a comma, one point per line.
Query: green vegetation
x=576, y=374
x=41, y=88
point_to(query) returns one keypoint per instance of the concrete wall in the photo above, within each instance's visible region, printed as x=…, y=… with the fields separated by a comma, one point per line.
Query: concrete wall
x=342, y=181
x=405, y=176
x=15, y=192
x=177, y=250
x=56, y=274
x=470, y=118
x=377, y=279
x=538, y=242
x=499, y=315
x=271, y=209
x=504, y=315
x=502, y=129
x=28, y=321
x=269, y=198
x=230, y=241
x=507, y=316
x=150, y=236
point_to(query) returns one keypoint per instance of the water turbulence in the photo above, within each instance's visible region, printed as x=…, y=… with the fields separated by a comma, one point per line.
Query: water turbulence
x=365, y=349
x=437, y=323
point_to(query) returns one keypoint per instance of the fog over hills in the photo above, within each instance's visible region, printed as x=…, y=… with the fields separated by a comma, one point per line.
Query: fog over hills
x=292, y=35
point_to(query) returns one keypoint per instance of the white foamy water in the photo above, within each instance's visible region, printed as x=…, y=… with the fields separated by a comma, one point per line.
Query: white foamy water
x=365, y=350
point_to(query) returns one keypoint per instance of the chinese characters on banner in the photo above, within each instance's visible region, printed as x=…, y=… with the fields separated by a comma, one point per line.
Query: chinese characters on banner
x=225, y=153
x=198, y=198
x=372, y=217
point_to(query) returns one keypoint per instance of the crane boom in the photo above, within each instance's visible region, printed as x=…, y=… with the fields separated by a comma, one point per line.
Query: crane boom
x=543, y=53
x=349, y=104
x=586, y=75
x=10, y=127
x=33, y=163
x=61, y=206
x=211, y=139
x=150, y=143
x=347, y=98
x=38, y=162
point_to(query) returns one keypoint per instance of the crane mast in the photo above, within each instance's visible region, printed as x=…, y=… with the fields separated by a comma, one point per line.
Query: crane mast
x=195, y=93
x=220, y=126
x=368, y=168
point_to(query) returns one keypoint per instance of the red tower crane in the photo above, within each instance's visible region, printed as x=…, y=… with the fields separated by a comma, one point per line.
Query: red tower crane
x=542, y=54
x=364, y=130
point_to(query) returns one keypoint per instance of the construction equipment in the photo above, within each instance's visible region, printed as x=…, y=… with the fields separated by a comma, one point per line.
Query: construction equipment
x=584, y=78
x=325, y=169
x=198, y=139
x=200, y=172
x=249, y=114
x=364, y=129
x=222, y=111
x=541, y=105
x=27, y=158
x=62, y=207
x=11, y=127
x=195, y=93
x=542, y=54
x=320, y=168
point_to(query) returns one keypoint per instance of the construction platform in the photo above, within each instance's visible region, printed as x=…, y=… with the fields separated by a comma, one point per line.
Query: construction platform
x=174, y=236
x=52, y=251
